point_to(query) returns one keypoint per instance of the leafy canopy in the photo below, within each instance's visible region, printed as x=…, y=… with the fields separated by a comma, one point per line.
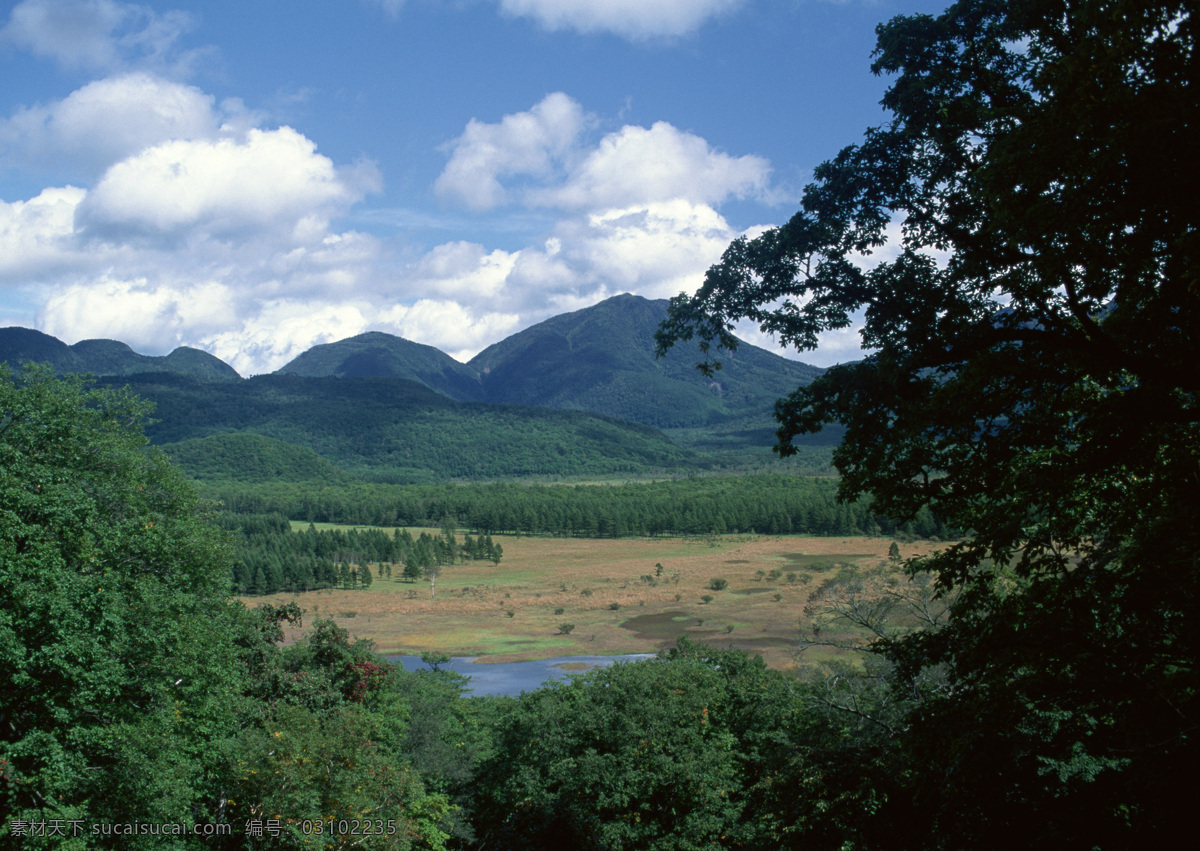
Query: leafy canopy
x=116, y=677
x=1019, y=243
x=133, y=690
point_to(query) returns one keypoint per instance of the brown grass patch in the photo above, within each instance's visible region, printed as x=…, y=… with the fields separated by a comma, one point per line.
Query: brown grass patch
x=584, y=577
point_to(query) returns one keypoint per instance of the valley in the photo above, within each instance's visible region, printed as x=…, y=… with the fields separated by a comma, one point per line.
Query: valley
x=636, y=595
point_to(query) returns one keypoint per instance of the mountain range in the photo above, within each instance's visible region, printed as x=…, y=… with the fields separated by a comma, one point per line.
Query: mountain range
x=599, y=359
x=572, y=395
x=108, y=357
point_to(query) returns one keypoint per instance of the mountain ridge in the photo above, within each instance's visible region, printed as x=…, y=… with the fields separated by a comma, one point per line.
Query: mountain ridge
x=602, y=359
x=108, y=357
x=584, y=383
x=599, y=359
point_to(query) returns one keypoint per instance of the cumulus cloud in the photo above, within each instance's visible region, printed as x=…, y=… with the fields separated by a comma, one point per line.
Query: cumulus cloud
x=37, y=236
x=462, y=269
x=272, y=180
x=544, y=150
x=524, y=143
x=206, y=234
x=144, y=315
x=636, y=165
x=100, y=35
x=656, y=251
x=195, y=229
x=460, y=330
x=632, y=19
x=110, y=119
x=278, y=330
x=253, y=304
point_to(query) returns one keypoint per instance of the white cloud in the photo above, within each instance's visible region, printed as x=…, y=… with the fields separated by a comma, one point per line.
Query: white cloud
x=111, y=119
x=206, y=234
x=656, y=250
x=144, y=315
x=276, y=331
x=631, y=166
x=100, y=35
x=460, y=330
x=633, y=19
x=460, y=269
x=280, y=330
x=523, y=143
x=833, y=347
x=640, y=166
x=272, y=180
x=260, y=303
x=37, y=236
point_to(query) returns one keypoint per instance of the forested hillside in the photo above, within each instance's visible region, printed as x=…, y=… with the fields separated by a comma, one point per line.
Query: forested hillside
x=384, y=408
x=377, y=355
x=246, y=457
x=107, y=357
x=602, y=359
x=396, y=430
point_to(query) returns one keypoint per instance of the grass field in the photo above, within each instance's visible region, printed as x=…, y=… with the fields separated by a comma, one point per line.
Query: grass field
x=613, y=592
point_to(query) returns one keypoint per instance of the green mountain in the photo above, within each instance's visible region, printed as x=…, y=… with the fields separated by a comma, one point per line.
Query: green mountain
x=390, y=429
x=107, y=357
x=578, y=395
x=247, y=457
x=19, y=345
x=602, y=359
x=379, y=355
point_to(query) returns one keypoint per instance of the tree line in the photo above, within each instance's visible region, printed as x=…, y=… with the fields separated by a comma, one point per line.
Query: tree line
x=269, y=557
x=768, y=504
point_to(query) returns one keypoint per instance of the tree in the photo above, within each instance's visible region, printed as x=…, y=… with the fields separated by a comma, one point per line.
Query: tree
x=412, y=570
x=1030, y=305
x=118, y=682
x=327, y=740
x=432, y=570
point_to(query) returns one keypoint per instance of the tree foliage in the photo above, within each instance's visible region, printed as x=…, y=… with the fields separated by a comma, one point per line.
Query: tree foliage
x=699, y=748
x=133, y=691
x=771, y=504
x=1030, y=303
x=116, y=674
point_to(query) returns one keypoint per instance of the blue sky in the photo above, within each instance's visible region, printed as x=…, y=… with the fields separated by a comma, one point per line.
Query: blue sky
x=255, y=178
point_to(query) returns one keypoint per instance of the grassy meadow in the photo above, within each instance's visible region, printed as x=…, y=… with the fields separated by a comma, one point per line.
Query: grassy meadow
x=613, y=591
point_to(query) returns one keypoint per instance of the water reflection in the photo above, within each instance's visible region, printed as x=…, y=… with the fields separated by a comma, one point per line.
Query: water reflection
x=512, y=678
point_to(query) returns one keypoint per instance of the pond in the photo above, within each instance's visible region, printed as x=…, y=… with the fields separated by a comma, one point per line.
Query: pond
x=512, y=678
